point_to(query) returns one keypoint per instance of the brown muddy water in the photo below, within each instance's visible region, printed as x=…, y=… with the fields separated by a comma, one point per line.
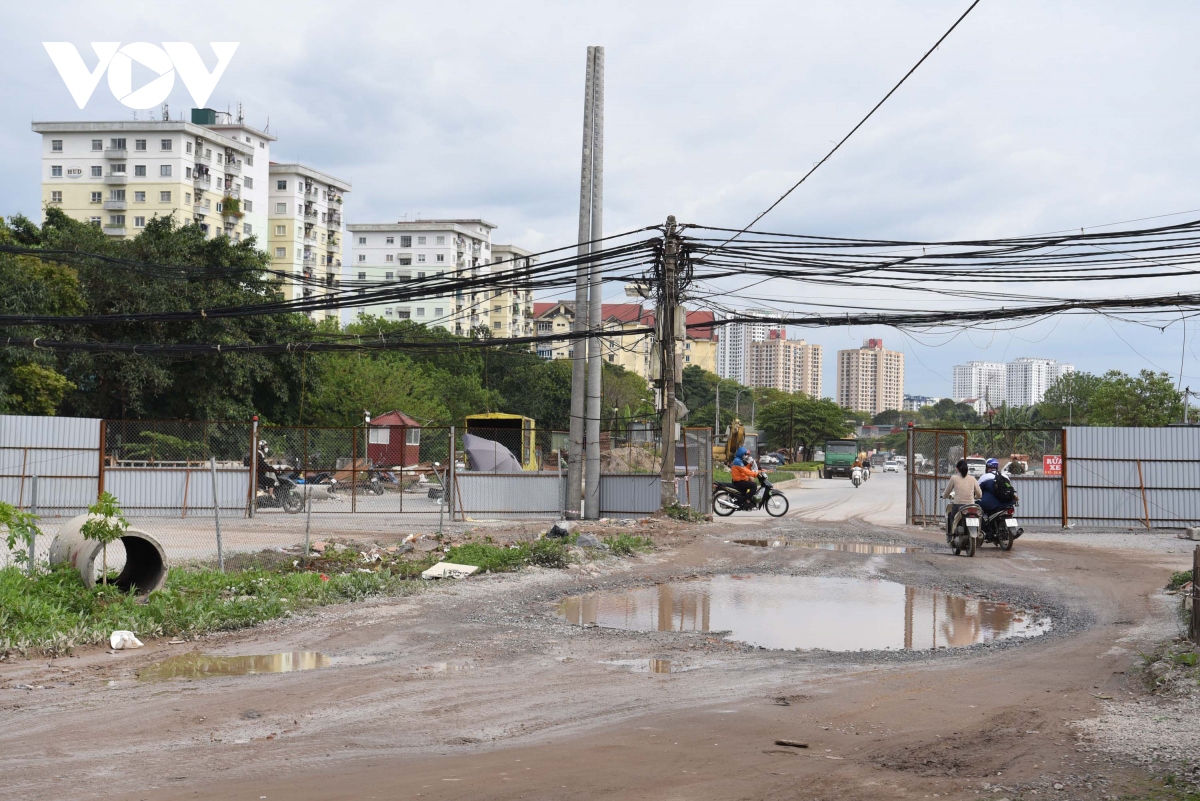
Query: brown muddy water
x=870, y=548
x=200, y=666
x=803, y=612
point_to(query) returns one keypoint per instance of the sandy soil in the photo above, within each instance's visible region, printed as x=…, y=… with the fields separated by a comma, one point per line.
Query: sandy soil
x=474, y=689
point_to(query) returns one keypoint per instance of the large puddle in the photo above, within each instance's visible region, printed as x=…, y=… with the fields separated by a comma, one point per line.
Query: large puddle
x=790, y=612
x=870, y=548
x=199, y=666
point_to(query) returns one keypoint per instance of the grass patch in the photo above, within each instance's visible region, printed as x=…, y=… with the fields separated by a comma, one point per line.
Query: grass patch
x=628, y=544
x=685, y=513
x=54, y=612
x=491, y=558
x=797, y=466
x=1179, y=579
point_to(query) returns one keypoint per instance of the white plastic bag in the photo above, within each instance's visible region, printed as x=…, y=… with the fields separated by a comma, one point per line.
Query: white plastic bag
x=120, y=640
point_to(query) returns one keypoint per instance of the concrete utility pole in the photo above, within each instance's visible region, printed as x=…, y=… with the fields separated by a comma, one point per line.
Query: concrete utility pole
x=578, y=362
x=668, y=301
x=591, y=478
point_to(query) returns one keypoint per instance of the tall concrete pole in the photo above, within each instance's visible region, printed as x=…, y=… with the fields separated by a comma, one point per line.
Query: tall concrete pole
x=668, y=298
x=591, y=482
x=578, y=362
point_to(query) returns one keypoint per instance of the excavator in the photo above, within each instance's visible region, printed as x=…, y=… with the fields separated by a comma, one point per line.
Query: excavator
x=723, y=451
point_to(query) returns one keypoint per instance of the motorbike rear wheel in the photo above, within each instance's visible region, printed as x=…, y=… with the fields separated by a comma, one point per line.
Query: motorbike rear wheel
x=971, y=543
x=776, y=504
x=723, y=503
x=292, y=502
x=1004, y=540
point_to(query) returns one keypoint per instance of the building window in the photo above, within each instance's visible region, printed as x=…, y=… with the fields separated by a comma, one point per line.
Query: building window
x=94, y=221
x=405, y=260
x=389, y=257
x=496, y=325
x=322, y=261
x=118, y=169
x=249, y=204
x=391, y=240
x=187, y=146
x=139, y=222
x=140, y=144
x=391, y=276
x=362, y=276
x=99, y=171
x=438, y=312
x=262, y=143
x=95, y=197
x=166, y=144
x=280, y=230
x=281, y=253
x=406, y=241
x=117, y=144
x=420, y=257
x=56, y=197
x=388, y=311
x=116, y=194
x=165, y=197
x=420, y=275
x=362, y=256
x=97, y=144
x=207, y=153
x=420, y=240
x=281, y=208
x=164, y=170
x=56, y=145
x=249, y=158
x=187, y=173
x=441, y=257
x=56, y=171
x=281, y=184
x=116, y=220
x=247, y=228
x=187, y=198
x=420, y=311
x=248, y=182
x=362, y=240
x=139, y=170
x=441, y=240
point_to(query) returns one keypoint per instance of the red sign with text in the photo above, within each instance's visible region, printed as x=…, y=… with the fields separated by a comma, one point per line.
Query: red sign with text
x=1052, y=465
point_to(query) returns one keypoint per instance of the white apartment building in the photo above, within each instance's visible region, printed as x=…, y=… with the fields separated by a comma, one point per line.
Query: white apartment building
x=117, y=175
x=512, y=302
x=915, y=403
x=784, y=364
x=870, y=378
x=986, y=382
x=1029, y=378
x=389, y=254
x=305, y=240
x=734, y=343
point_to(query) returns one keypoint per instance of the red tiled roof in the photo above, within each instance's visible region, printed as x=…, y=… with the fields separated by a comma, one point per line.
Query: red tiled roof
x=394, y=418
x=541, y=308
x=694, y=317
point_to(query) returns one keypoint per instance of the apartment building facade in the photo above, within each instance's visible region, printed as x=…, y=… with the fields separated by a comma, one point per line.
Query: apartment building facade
x=870, y=378
x=117, y=175
x=981, y=381
x=1027, y=379
x=512, y=302
x=734, y=342
x=784, y=364
x=424, y=253
x=305, y=240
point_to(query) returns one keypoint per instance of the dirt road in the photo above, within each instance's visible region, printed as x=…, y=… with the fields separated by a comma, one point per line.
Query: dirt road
x=478, y=690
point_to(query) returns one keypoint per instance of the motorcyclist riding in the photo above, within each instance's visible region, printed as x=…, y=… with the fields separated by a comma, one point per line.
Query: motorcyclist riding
x=745, y=471
x=987, y=484
x=963, y=489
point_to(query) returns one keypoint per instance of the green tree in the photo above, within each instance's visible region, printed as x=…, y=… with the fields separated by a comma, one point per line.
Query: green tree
x=1150, y=399
x=34, y=389
x=105, y=524
x=802, y=422
x=1068, y=400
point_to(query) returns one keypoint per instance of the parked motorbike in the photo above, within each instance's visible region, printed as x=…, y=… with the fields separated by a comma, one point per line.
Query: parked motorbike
x=728, y=499
x=1001, y=527
x=966, y=532
x=856, y=477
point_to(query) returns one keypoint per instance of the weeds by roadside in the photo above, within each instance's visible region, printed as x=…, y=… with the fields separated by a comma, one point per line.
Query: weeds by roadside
x=684, y=513
x=628, y=544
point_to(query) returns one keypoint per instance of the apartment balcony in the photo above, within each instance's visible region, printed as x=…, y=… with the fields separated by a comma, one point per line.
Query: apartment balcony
x=335, y=218
x=118, y=178
x=309, y=239
x=115, y=205
x=333, y=247
x=233, y=192
x=202, y=159
x=309, y=261
x=233, y=167
x=202, y=181
x=310, y=214
x=200, y=209
x=116, y=153
x=114, y=231
x=231, y=219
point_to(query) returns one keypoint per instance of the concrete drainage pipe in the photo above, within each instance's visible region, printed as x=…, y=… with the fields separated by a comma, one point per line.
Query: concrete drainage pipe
x=145, y=560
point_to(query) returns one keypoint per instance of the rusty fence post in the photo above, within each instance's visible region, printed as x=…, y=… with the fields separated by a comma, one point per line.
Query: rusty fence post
x=103, y=445
x=1194, y=618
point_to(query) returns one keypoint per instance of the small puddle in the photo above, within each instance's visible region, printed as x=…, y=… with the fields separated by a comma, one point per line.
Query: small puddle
x=200, y=666
x=650, y=665
x=802, y=612
x=870, y=548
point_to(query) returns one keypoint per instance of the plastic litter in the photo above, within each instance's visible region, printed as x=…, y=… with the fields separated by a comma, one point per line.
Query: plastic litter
x=563, y=528
x=449, y=570
x=120, y=640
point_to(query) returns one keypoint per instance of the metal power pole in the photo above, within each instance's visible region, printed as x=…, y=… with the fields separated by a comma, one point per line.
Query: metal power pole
x=578, y=360
x=668, y=294
x=591, y=478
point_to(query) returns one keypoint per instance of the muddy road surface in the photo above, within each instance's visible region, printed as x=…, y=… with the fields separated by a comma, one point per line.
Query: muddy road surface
x=482, y=689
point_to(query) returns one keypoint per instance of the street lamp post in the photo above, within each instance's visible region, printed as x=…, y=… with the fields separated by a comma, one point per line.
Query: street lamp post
x=717, y=421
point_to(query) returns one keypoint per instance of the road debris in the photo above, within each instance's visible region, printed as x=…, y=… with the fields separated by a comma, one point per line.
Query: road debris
x=792, y=743
x=121, y=640
x=449, y=570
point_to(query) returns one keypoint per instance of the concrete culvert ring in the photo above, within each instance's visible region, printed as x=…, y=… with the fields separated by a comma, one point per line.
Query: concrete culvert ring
x=145, y=564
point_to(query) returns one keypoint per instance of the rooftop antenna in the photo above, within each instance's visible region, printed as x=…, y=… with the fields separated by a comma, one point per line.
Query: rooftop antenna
x=166, y=113
x=239, y=116
x=135, y=113
x=267, y=127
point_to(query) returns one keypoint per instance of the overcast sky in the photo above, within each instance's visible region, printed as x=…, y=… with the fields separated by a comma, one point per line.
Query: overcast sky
x=1032, y=117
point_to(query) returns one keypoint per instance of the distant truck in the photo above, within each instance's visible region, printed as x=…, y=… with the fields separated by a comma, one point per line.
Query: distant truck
x=839, y=458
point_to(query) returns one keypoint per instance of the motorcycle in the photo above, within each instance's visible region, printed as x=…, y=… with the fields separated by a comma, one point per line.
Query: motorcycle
x=728, y=499
x=277, y=490
x=966, y=530
x=856, y=477
x=1001, y=527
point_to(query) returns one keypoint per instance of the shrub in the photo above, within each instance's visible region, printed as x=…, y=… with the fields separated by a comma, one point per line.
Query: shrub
x=109, y=526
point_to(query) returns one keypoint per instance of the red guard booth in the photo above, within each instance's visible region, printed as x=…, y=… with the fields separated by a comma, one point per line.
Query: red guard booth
x=394, y=440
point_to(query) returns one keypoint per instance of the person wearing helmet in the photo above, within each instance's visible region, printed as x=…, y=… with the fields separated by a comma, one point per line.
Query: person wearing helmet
x=744, y=471
x=987, y=484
